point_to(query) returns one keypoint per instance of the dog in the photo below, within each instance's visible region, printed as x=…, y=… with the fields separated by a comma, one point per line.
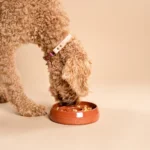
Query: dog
x=46, y=24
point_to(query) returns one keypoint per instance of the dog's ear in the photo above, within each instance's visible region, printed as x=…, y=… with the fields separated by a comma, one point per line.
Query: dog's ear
x=76, y=72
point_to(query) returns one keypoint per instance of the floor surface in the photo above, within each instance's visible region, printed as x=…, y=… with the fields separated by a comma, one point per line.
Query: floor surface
x=124, y=124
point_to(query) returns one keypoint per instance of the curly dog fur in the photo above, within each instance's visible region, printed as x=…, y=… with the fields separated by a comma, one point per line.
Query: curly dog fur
x=44, y=23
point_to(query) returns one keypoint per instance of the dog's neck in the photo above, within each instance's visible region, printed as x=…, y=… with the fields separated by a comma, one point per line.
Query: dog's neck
x=57, y=45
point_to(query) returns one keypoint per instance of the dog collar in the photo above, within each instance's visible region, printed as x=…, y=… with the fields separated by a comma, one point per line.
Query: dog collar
x=59, y=47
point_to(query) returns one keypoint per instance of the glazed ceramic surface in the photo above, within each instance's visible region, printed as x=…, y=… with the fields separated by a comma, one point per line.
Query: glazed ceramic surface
x=84, y=113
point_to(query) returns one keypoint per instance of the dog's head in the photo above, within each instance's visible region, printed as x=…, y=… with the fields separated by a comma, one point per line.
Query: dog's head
x=74, y=66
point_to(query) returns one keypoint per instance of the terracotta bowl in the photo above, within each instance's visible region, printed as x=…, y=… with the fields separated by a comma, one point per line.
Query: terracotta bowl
x=83, y=113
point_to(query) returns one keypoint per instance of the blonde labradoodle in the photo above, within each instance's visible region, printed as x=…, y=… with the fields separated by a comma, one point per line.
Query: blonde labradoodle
x=44, y=23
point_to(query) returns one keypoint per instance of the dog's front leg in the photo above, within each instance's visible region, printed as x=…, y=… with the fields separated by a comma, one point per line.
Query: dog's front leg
x=15, y=91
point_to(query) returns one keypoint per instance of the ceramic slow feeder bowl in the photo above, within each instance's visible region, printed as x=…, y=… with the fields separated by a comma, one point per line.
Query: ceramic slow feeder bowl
x=83, y=113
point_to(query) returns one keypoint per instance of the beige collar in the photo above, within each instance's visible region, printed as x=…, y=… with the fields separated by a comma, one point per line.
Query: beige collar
x=59, y=47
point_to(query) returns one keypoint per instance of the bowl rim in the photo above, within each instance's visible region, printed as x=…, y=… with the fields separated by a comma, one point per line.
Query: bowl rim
x=72, y=112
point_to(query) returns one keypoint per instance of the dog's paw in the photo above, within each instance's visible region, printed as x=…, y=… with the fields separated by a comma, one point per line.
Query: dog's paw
x=32, y=111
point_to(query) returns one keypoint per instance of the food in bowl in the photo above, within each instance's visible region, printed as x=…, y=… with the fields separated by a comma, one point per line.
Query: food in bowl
x=76, y=108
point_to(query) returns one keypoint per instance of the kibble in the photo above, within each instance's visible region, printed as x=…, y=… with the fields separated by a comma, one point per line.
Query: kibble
x=75, y=109
x=78, y=106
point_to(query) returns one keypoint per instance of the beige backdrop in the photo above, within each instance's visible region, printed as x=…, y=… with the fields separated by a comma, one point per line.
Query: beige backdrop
x=116, y=35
